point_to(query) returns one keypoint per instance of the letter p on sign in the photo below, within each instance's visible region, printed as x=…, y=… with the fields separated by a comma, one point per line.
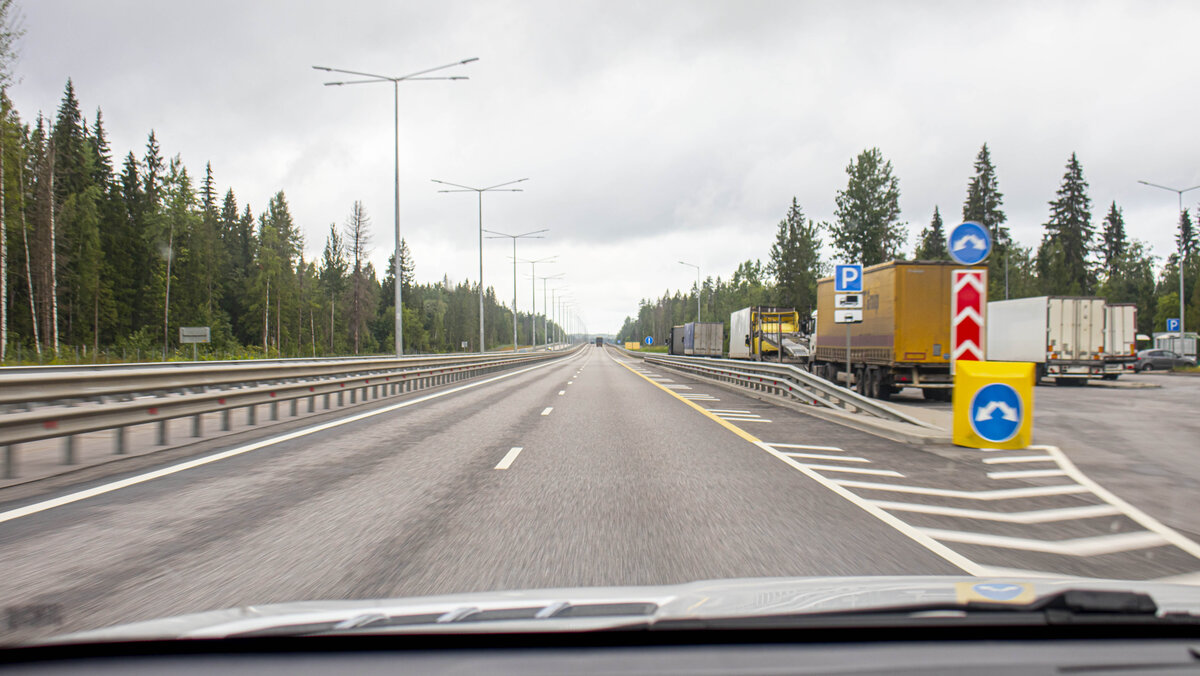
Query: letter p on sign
x=847, y=278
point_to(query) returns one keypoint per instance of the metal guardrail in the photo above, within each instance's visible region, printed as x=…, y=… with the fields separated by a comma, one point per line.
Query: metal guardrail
x=118, y=399
x=782, y=380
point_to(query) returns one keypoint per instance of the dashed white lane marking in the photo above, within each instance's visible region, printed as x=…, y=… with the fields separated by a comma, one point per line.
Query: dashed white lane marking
x=233, y=452
x=1088, y=546
x=509, y=457
x=722, y=411
x=546, y=411
x=1018, y=458
x=1035, y=516
x=806, y=447
x=997, y=494
x=677, y=387
x=1026, y=474
x=818, y=456
x=570, y=382
x=561, y=392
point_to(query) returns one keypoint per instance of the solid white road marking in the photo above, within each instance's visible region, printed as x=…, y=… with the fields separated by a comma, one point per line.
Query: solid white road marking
x=174, y=469
x=722, y=411
x=855, y=470
x=547, y=410
x=1026, y=474
x=761, y=420
x=1089, y=546
x=1037, y=516
x=1018, y=458
x=818, y=456
x=997, y=494
x=807, y=447
x=509, y=457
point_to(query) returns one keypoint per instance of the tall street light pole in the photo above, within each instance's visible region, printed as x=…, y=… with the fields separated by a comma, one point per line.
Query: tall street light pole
x=501, y=187
x=533, y=293
x=533, y=234
x=697, y=288
x=546, y=307
x=371, y=79
x=1182, y=251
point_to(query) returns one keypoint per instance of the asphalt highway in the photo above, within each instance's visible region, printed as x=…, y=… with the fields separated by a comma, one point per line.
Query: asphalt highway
x=590, y=469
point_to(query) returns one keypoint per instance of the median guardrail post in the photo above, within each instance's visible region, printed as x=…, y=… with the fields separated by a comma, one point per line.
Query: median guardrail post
x=119, y=441
x=10, y=461
x=162, y=433
x=225, y=420
x=197, y=426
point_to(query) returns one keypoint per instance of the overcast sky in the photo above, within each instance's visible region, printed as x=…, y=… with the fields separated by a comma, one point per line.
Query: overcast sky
x=650, y=132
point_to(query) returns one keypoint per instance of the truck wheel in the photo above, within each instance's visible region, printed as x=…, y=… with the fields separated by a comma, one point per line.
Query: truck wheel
x=884, y=387
x=860, y=384
x=1111, y=376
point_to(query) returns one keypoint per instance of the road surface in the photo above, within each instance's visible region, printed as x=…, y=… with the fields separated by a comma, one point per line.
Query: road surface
x=590, y=469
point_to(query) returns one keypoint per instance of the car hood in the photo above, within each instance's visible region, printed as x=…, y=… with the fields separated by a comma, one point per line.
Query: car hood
x=708, y=599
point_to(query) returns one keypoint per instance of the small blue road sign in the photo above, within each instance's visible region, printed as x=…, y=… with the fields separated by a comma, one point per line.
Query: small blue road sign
x=649, y=340
x=998, y=591
x=1173, y=324
x=847, y=279
x=970, y=243
x=995, y=412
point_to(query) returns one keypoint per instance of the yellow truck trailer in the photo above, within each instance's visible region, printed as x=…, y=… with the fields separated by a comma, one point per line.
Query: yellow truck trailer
x=904, y=338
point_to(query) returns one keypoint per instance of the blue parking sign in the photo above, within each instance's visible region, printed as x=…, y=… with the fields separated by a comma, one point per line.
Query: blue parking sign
x=1173, y=324
x=847, y=278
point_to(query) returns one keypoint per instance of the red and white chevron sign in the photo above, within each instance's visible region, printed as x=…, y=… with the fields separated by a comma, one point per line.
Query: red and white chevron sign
x=968, y=309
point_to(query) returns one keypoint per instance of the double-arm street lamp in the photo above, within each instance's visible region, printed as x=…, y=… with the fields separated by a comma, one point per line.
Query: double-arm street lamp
x=546, y=306
x=371, y=79
x=1182, y=251
x=533, y=294
x=500, y=187
x=534, y=234
x=697, y=287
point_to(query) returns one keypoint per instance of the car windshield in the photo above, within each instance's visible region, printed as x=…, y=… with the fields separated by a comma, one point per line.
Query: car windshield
x=387, y=309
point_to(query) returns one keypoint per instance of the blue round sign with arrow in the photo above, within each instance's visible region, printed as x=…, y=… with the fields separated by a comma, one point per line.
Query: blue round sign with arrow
x=970, y=243
x=996, y=412
x=649, y=340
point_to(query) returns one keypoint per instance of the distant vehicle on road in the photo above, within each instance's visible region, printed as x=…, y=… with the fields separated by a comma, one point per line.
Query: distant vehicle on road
x=1160, y=360
x=599, y=342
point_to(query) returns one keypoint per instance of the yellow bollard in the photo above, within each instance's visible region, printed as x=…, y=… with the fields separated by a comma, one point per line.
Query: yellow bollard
x=993, y=404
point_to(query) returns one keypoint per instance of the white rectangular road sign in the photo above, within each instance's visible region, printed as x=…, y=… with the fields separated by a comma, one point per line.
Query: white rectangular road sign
x=848, y=301
x=194, y=334
x=847, y=316
x=847, y=278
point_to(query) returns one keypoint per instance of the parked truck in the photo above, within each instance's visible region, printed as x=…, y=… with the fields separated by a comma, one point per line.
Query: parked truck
x=904, y=337
x=1062, y=335
x=1120, y=339
x=768, y=334
x=675, y=342
x=703, y=339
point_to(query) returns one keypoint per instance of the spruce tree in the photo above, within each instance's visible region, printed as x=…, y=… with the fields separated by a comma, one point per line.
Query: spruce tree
x=982, y=206
x=1112, y=240
x=795, y=261
x=868, y=228
x=1064, y=256
x=932, y=246
x=1185, y=238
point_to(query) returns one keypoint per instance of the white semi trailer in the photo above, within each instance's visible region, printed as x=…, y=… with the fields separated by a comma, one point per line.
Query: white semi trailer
x=1063, y=335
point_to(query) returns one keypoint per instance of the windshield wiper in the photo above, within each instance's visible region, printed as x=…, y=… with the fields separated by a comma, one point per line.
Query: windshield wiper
x=1072, y=606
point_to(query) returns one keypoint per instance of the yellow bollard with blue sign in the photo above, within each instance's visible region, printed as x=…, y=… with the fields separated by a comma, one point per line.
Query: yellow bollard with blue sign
x=993, y=404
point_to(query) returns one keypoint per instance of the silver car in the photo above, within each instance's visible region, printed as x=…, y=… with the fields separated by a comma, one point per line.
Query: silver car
x=1150, y=360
